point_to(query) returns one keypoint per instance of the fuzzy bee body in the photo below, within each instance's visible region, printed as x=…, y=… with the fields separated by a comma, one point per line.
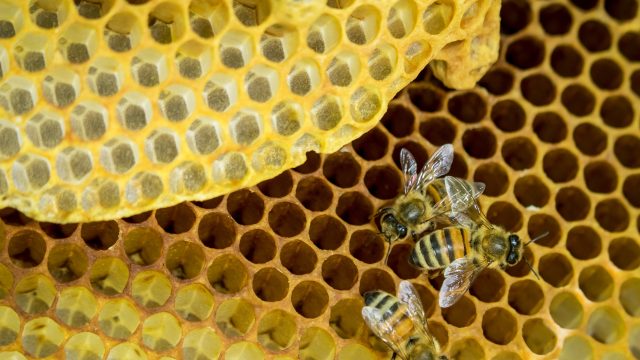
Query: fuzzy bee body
x=437, y=249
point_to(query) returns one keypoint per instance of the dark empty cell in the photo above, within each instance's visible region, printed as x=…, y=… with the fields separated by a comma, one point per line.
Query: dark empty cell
x=314, y=193
x=623, y=10
x=176, y=219
x=525, y=53
x=617, y=111
x=526, y=297
x=298, y=257
x=499, y=326
x=494, y=177
x=631, y=189
x=461, y=314
x=372, y=145
x=399, y=262
x=383, y=182
x=583, y=243
x=531, y=191
x=245, y=207
x=58, y=231
x=594, y=36
x=489, y=286
x=612, y=215
x=497, y=81
x=589, y=139
x=459, y=167
x=634, y=79
x=339, y=272
x=209, y=204
x=310, y=165
x=327, y=232
x=555, y=19
x=555, y=269
x=354, y=208
x=376, y=279
x=27, y=249
x=419, y=153
x=11, y=216
x=578, y=100
x=606, y=74
x=538, y=89
x=258, y=246
x=341, y=169
x=624, y=253
x=467, y=107
x=566, y=61
x=138, y=218
x=269, y=284
x=438, y=131
x=560, y=165
x=309, y=299
x=216, y=231
x=508, y=115
x=600, y=177
x=585, y=4
x=426, y=98
x=550, y=127
x=629, y=45
x=544, y=229
x=278, y=186
x=480, y=143
x=398, y=120
x=519, y=153
x=287, y=219
x=100, y=235
x=366, y=246
x=504, y=214
x=626, y=149
x=515, y=15
x=572, y=203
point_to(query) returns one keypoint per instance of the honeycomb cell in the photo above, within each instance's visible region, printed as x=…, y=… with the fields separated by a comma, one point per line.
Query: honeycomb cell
x=560, y=165
x=227, y=274
x=525, y=53
x=624, y=253
x=287, y=117
x=18, y=95
x=531, y=191
x=600, y=177
x=194, y=302
x=27, y=249
x=210, y=203
x=166, y=23
x=383, y=182
x=246, y=127
x=84, y=345
x=208, y=18
x=538, y=336
x=631, y=189
x=316, y=343
x=345, y=318
x=74, y=164
x=33, y=52
x=479, y=142
x=382, y=61
x=576, y=347
x=585, y=4
x=376, y=279
x=78, y=43
x=461, y=314
x=67, y=262
x=526, y=297
x=122, y=32
x=149, y=67
x=627, y=45
x=339, y=272
x=76, y=306
x=327, y=232
x=185, y=259
x=235, y=317
x=269, y=284
x=566, y=61
x=11, y=20
x=624, y=148
x=217, y=230
x=468, y=107
x=363, y=25
x=162, y=146
x=489, y=286
x=236, y=49
x=617, y=111
x=261, y=83
x=150, y=289
x=326, y=112
x=611, y=215
x=545, y=229
x=314, y=193
x=324, y=34
x=594, y=36
x=89, y=120
x=119, y=155
x=354, y=208
x=101, y=192
x=277, y=330
x=606, y=74
x=187, y=178
x=438, y=130
x=425, y=98
x=60, y=88
x=538, y=89
x=497, y=81
x=578, y=100
x=343, y=69
x=519, y=153
x=109, y=275
x=118, y=319
x=278, y=42
x=437, y=17
x=278, y=186
x=583, y=242
x=245, y=207
x=309, y=299
x=621, y=10
x=287, y=219
x=161, y=332
x=298, y=257
x=365, y=102
x=9, y=325
x=201, y=344
x=34, y=294
x=42, y=337
x=506, y=215
x=126, y=350
x=555, y=269
x=257, y=246
x=589, y=139
x=366, y=246
x=596, y=283
x=101, y=235
x=555, y=19
x=499, y=326
x=628, y=299
x=176, y=219
x=605, y=325
x=58, y=231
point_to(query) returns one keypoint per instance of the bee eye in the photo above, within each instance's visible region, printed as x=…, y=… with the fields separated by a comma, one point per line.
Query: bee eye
x=514, y=240
x=402, y=230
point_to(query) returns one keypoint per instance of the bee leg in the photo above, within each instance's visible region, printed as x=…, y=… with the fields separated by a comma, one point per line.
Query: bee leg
x=434, y=273
x=394, y=356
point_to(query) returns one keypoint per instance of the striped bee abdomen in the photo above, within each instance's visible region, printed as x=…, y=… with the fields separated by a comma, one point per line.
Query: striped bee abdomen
x=436, y=191
x=437, y=249
x=394, y=312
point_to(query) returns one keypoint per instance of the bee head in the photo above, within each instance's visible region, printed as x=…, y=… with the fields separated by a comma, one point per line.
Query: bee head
x=390, y=227
x=515, y=249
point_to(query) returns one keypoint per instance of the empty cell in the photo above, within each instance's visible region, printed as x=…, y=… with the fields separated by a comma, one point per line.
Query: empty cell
x=617, y=111
x=479, y=142
x=257, y=246
x=545, y=228
x=58, y=231
x=119, y=155
x=625, y=148
x=354, y=208
x=287, y=219
x=344, y=69
x=596, y=283
x=525, y=53
x=467, y=348
x=600, y=177
x=578, y=100
x=166, y=23
x=314, y=193
x=398, y=261
x=611, y=215
x=89, y=120
x=236, y=49
x=398, y=120
x=430, y=99
x=231, y=167
x=162, y=146
x=61, y=87
x=566, y=61
x=631, y=189
x=324, y=34
x=363, y=25
x=122, y=32
x=18, y=95
x=526, y=297
x=78, y=43
x=538, y=336
x=531, y=191
x=26, y=249
x=74, y=164
x=84, y=345
x=401, y=19
x=176, y=102
x=67, y=262
x=383, y=182
x=505, y=215
x=494, y=176
x=217, y=230
x=134, y=110
x=298, y=257
x=93, y=9
x=519, y=153
x=583, y=242
x=245, y=207
x=287, y=117
x=628, y=296
x=109, y=276
x=461, y=314
x=48, y=14
x=143, y=245
x=589, y=139
x=30, y=172
x=345, y=318
x=560, y=165
x=468, y=107
x=497, y=81
x=605, y=325
x=278, y=42
x=220, y=92
x=555, y=269
x=33, y=52
x=208, y=18
x=252, y=12
x=235, y=317
x=365, y=103
x=621, y=10
x=149, y=67
x=188, y=177
x=261, y=83
x=245, y=127
x=372, y=145
x=303, y=77
x=203, y=135
x=499, y=326
x=555, y=19
x=489, y=286
x=628, y=45
x=606, y=74
x=176, y=219
x=228, y=275
x=270, y=285
x=277, y=330
x=624, y=253
x=339, y=272
x=366, y=246
x=376, y=279
x=516, y=15
x=278, y=186
x=538, y=89
x=341, y=169
x=327, y=232
x=437, y=17
x=209, y=203
x=594, y=36
x=566, y=310
x=326, y=112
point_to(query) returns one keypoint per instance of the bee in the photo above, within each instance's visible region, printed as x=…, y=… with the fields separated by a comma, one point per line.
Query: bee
x=468, y=248
x=424, y=198
x=401, y=323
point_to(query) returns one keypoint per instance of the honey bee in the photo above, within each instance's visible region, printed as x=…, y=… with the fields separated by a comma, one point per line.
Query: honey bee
x=401, y=323
x=424, y=198
x=466, y=249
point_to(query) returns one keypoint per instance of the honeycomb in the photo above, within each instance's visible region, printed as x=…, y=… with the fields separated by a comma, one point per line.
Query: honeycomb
x=116, y=107
x=276, y=271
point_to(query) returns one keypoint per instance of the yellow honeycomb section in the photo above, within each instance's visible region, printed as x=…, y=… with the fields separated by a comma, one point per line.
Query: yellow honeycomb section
x=276, y=271
x=115, y=107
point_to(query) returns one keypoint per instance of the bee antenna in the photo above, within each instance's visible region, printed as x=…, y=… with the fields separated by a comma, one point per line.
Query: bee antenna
x=531, y=268
x=537, y=238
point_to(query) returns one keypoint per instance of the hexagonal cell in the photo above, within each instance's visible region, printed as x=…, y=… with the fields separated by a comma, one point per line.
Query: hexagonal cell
x=76, y=306
x=187, y=178
x=134, y=110
x=105, y=76
x=193, y=59
x=161, y=332
x=30, y=172
x=144, y=186
x=162, y=146
x=89, y=120
x=231, y=166
x=126, y=350
x=18, y=95
x=201, y=344
x=245, y=127
x=227, y=274
x=166, y=23
x=33, y=52
x=363, y=25
x=109, y=275
x=327, y=112
x=42, y=337
x=382, y=61
x=67, y=262
x=34, y=294
x=74, y=164
x=78, y=43
x=9, y=325
x=203, y=136
x=365, y=104
x=324, y=34
x=317, y=343
x=26, y=249
x=220, y=92
x=344, y=69
x=576, y=347
x=100, y=235
x=270, y=156
x=85, y=346
x=304, y=77
x=48, y=14
x=61, y=87
x=185, y=259
x=143, y=246
x=118, y=319
x=287, y=117
x=101, y=192
x=236, y=49
x=119, y=155
x=93, y=9
x=149, y=67
x=45, y=129
x=176, y=102
x=10, y=139
x=122, y=32
x=345, y=318
x=208, y=18
x=251, y=12
x=401, y=19
x=606, y=325
x=11, y=20
x=194, y=302
x=415, y=55
x=151, y=289
x=261, y=83
x=235, y=317
x=277, y=330
x=58, y=200
x=278, y=42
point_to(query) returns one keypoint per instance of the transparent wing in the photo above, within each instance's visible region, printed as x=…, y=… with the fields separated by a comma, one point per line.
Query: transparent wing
x=462, y=193
x=409, y=169
x=458, y=276
x=382, y=329
x=409, y=296
x=438, y=165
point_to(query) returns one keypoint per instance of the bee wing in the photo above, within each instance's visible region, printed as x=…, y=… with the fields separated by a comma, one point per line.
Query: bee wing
x=457, y=278
x=409, y=296
x=409, y=169
x=438, y=165
x=462, y=193
x=382, y=329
